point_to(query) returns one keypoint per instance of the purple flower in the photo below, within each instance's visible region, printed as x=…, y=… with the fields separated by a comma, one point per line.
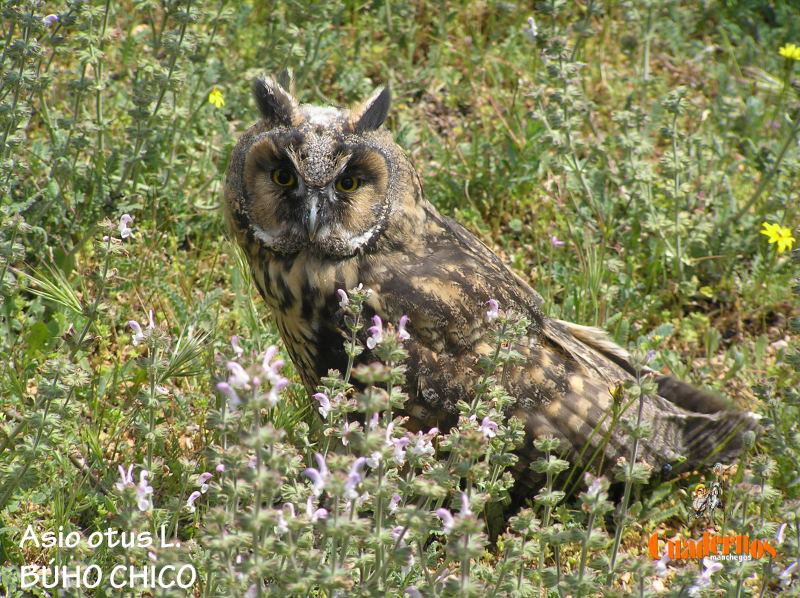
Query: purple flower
x=236, y=348
x=239, y=378
x=283, y=526
x=530, y=30
x=190, y=503
x=347, y=428
x=143, y=492
x=465, y=510
x=315, y=515
x=138, y=335
x=50, y=20
x=318, y=475
x=228, y=391
x=400, y=445
x=786, y=575
x=556, y=242
x=374, y=459
x=413, y=592
x=324, y=404
x=650, y=356
x=704, y=579
x=395, y=500
x=220, y=468
x=125, y=229
x=375, y=332
x=202, y=481
x=779, y=535
x=494, y=310
x=423, y=444
x=488, y=427
x=272, y=371
x=447, y=519
x=343, y=300
x=125, y=477
x=402, y=333
x=354, y=479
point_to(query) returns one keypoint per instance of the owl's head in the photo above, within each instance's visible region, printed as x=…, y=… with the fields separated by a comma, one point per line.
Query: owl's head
x=313, y=178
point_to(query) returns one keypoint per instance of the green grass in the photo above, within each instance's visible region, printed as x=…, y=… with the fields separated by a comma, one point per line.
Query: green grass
x=652, y=138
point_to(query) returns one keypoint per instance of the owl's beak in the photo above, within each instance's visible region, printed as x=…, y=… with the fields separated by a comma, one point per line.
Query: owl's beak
x=313, y=222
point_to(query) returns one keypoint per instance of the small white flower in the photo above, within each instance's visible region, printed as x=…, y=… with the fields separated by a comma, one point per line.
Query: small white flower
x=202, y=481
x=125, y=477
x=343, y=300
x=494, y=310
x=395, y=500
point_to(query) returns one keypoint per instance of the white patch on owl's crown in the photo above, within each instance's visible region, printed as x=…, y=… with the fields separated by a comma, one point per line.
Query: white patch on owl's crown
x=320, y=115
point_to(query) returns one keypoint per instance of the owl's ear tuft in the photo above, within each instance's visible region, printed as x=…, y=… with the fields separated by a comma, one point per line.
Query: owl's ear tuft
x=277, y=105
x=371, y=114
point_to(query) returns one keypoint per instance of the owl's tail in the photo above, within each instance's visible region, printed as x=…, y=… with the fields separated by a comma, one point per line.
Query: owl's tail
x=690, y=428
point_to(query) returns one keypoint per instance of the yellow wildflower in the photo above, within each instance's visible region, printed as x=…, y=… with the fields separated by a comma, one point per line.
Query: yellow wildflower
x=778, y=234
x=215, y=98
x=791, y=51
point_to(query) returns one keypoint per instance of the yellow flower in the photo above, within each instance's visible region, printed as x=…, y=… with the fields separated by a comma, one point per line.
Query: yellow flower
x=791, y=51
x=780, y=235
x=215, y=98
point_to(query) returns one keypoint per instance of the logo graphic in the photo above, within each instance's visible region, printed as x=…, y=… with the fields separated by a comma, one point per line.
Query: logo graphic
x=706, y=500
x=711, y=545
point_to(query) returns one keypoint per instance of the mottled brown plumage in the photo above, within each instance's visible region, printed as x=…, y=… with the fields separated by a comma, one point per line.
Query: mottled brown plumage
x=322, y=199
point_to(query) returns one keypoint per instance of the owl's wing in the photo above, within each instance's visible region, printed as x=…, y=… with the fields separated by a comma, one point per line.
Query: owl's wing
x=563, y=388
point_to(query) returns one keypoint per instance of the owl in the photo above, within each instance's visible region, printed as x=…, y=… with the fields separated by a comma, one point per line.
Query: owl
x=321, y=198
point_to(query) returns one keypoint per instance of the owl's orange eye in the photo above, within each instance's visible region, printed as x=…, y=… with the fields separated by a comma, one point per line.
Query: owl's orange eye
x=347, y=184
x=283, y=177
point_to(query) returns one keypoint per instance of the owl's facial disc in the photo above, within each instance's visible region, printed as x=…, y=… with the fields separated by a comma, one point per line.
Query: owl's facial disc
x=318, y=178
x=321, y=192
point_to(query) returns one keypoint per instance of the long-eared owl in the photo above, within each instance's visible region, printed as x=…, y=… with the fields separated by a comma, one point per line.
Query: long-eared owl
x=322, y=198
